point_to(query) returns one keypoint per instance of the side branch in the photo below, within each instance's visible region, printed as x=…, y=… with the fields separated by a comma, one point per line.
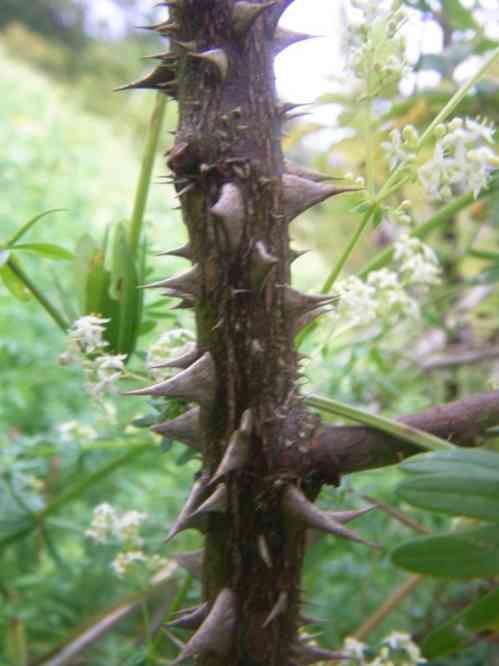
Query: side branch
x=348, y=449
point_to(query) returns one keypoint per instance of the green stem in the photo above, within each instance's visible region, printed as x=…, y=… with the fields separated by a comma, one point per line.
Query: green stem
x=332, y=277
x=389, y=426
x=39, y=296
x=146, y=168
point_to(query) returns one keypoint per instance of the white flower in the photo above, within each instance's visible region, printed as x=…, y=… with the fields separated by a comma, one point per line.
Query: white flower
x=355, y=647
x=123, y=560
x=86, y=334
x=106, y=371
x=126, y=526
x=357, y=301
x=417, y=263
x=396, y=151
x=402, y=641
x=459, y=159
x=103, y=522
x=71, y=430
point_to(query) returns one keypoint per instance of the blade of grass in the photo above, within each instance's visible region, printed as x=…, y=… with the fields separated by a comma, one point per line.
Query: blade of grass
x=144, y=181
x=39, y=296
x=31, y=223
x=389, y=426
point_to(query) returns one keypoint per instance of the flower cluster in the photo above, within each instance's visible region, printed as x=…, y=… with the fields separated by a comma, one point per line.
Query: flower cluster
x=462, y=159
x=174, y=342
x=111, y=525
x=402, y=146
x=376, y=47
x=86, y=344
x=397, y=649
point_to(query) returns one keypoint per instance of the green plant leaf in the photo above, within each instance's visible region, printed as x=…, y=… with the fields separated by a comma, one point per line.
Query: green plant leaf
x=469, y=554
x=474, y=496
x=48, y=250
x=125, y=291
x=14, y=284
x=459, y=18
x=461, y=629
x=31, y=223
x=470, y=463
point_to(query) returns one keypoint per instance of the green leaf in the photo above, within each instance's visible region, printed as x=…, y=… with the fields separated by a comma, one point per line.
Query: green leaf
x=470, y=463
x=461, y=629
x=48, y=250
x=31, y=223
x=125, y=291
x=473, y=495
x=468, y=554
x=458, y=17
x=14, y=284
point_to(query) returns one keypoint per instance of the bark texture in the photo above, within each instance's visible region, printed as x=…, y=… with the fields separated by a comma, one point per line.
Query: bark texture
x=261, y=449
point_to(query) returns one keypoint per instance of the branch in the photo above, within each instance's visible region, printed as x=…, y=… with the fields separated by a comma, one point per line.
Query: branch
x=347, y=449
x=459, y=356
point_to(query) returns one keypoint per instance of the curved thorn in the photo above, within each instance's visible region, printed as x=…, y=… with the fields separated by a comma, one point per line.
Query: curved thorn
x=216, y=502
x=184, y=251
x=245, y=14
x=188, y=282
x=297, y=506
x=230, y=209
x=279, y=608
x=298, y=304
x=262, y=262
x=215, y=634
x=217, y=57
x=185, y=428
x=346, y=516
x=295, y=169
x=183, y=521
x=300, y=194
x=183, y=361
x=196, y=383
x=284, y=38
x=192, y=561
x=189, y=619
x=236, y=454
x=264, y=552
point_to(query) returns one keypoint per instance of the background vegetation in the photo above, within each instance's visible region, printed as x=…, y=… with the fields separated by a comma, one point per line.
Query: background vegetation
x=68, y=143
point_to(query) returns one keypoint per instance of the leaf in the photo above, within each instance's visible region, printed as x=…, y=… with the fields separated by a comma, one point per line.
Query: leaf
x=125, y=291
x=461, y=629
x=14, y=284
x=48, y=250
x=468, y=554
x=31, y=223
x=474, y=496
x=459, y=18
x=458, y=462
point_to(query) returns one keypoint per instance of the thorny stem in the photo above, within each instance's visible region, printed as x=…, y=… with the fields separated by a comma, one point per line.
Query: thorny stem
x=144, y=182
x=39, y=296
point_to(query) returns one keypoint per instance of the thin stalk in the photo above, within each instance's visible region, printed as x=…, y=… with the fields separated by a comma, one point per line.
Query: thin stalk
x=369, y=140
x=144, y=182
x=399, y=430
x=333, y=276
x=388, y=606
x=39, y=296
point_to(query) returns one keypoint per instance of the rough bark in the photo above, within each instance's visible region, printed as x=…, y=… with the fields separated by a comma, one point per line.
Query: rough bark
x=253, y=496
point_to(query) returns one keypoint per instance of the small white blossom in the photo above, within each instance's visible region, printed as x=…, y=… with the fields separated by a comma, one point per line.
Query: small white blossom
x=103, y=521
x=123, y=560
x=127, y=525
x=355, y=648
x=357, y=304
x=402, y=641
x=397, y=151
x=416, y=261
x=460, y=160
x=103, y=372
x=86, y=334
x=71, y=430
